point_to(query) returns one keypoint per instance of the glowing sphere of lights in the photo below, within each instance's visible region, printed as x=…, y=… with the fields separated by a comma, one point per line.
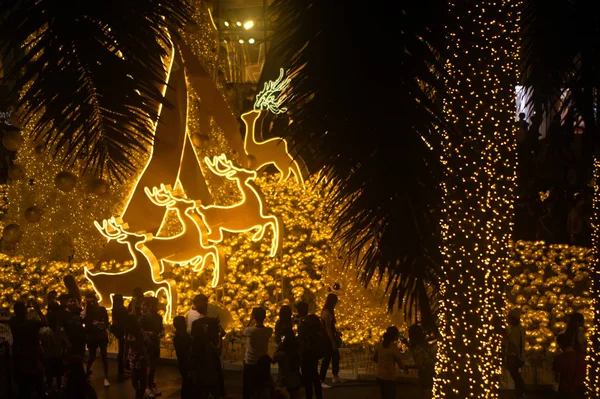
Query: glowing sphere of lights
x=12, y=140
x=201, y=141
x=12, y=233
x=65, y=181
x=99, y=186
x=33, y=214
x=16, y=172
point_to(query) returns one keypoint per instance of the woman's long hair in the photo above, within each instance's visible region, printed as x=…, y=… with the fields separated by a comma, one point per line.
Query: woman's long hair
x=575, y=321
x=199, y=340
x=389, y=336
x=330, y=303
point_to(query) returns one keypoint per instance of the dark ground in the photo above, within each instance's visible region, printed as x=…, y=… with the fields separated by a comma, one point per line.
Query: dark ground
x=168, y=382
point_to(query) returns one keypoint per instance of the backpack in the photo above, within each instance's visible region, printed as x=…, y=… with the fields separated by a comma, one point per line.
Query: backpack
x=317, y=341
x=212, y=327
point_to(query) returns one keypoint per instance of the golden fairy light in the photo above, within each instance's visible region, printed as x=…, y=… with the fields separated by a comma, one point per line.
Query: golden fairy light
x=479, y=157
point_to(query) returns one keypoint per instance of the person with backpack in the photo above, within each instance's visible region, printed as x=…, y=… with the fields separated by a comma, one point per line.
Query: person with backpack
x=117, y=328
x=257, y=346
x=387, y=356
x=333, y=354
x=314, y=343
x=204, y=365
x=211, y=325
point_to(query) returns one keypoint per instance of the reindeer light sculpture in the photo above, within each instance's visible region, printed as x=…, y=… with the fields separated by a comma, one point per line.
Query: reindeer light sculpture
x=188, y=246
x=273, y=151
x=246, y=215
x=141, y=274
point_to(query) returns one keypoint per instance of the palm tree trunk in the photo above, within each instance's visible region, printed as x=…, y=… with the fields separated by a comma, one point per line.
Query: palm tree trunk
x=479, y=181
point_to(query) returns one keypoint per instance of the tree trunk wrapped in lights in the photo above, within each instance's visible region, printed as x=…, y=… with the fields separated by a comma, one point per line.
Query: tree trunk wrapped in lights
x=479, y=156
x=593, y=358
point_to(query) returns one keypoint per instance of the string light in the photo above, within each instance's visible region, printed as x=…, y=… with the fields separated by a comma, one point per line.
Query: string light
x=593, y=354
x=478, y=194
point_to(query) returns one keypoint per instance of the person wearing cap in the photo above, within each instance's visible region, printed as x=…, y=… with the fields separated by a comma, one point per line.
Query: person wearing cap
x=515, y=348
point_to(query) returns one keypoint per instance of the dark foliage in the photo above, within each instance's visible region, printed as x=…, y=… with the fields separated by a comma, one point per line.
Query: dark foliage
x=90, y=76
x=561, y=56
x=363, y=111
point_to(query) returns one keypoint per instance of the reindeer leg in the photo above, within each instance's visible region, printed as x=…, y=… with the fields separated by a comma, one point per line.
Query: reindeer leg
x=275, y=241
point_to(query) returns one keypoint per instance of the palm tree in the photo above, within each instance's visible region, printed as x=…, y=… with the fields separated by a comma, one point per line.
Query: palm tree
x=89, y=75
x=561, y=57
x=394, y=106
x=361, y=114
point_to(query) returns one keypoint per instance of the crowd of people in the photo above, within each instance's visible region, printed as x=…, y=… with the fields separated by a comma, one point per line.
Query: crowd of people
x=48, y=352
x=554, y=201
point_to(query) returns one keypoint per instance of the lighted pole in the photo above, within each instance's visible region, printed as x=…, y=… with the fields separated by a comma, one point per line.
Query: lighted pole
x=593, y=350
x=479, y=156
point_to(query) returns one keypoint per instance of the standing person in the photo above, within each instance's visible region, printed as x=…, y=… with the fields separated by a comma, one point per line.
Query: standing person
x=302, y=313
x=205, y=365
x=575, y=332
x=53, y=305
x=257, y=346
x=198, y=316
x=73, y=324
x=117, y=328
x=137, y=356
x=135, y=305
x=569, y=370
x=96, y=324
x=287, y=357
x=333, y=354
x=27, y=351
x=314, y=343
x=152, y=328
x=284, y=323
x=424, y=357
x=198, y=310
x=515, y=347
x=387, y=355
x=53, y=342
x=182, y=341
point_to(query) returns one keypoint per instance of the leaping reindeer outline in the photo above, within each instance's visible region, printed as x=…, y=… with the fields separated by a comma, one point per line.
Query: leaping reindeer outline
x=273, y=151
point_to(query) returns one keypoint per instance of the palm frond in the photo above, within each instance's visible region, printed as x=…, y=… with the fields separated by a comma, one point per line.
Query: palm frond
x=547, y=50
x=90, y=74
x=368, y=125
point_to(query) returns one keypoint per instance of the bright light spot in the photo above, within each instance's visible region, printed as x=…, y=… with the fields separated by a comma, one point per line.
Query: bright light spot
x=251, y=41
x=226, y=23
x=248, y=25
x=238, y=23
x=241, y=41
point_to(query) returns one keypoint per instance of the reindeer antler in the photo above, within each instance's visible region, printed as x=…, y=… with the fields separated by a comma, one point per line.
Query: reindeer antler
x=117, y=230
x=159, y=196
x=273, y=94
x=214, y=165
